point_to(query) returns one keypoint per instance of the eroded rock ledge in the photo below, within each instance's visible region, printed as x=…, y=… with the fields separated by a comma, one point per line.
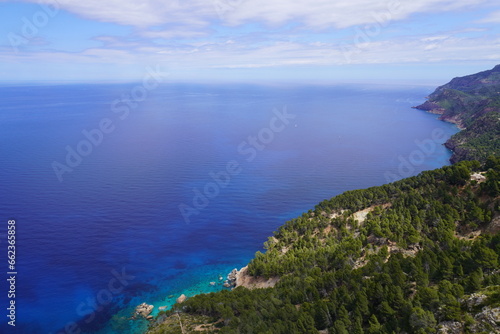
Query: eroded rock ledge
x=251, y=282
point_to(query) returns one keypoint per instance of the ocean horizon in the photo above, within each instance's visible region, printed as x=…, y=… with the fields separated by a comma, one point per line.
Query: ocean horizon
x=129, y=193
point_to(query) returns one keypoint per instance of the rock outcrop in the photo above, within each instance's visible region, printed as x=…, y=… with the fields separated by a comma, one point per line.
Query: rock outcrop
x=144, y=310
x=474, y=300
x=494, y=226
x=252, y=282
x=450, y=327
x=487, y=320
x=242, y=278
x=181, y=299
x=231, y=279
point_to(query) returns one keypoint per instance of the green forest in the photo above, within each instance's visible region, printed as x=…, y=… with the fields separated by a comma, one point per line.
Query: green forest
x=425, y=255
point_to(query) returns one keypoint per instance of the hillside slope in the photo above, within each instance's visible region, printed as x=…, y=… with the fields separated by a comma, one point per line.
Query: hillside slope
x=416, y=256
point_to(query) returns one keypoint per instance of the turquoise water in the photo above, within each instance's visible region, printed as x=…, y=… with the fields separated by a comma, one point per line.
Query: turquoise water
x=117, y=212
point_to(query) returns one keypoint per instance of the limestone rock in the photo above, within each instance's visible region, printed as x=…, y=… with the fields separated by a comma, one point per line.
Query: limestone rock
x=144, y=310
x=251, y=282
x=231, y=279
x=181, y=299
x=232, y=275
x=478, y=177
x=474, y=300
x=490, y=317
x=450, y=327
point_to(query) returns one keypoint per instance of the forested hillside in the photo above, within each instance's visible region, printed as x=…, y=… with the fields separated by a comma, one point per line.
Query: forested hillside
x=416, y=256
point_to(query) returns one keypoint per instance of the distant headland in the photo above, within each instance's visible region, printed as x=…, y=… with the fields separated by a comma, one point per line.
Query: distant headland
x=472, y=103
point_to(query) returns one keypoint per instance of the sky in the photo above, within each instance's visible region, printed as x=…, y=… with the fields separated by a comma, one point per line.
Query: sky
x=304, y=41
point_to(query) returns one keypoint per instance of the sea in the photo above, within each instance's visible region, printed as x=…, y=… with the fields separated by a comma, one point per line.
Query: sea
x=122, y=194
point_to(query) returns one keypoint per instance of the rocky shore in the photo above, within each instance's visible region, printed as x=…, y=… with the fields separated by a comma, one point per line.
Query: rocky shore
x=241, y=277
x=230, y=282
x=434, y=108
x=143, y=310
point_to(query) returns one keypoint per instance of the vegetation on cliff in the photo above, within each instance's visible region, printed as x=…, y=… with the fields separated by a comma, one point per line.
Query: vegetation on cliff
x=473, y=103
x=409, y=256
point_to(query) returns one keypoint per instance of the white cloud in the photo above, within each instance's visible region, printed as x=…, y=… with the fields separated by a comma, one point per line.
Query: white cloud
x=142, y=14
x=491, y=18
x=311, y=13
x=287, y=54
x=192, y=37
x=429, y=47
x=173, y=33
x=434, y=38
x=279, y=54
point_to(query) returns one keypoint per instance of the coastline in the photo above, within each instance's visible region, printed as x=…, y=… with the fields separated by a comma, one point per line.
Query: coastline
x=203, y=286
x=241, y=277
x=194, y=283
x=432, y=108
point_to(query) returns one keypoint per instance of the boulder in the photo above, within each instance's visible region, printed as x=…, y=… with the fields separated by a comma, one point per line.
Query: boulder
x=475, y=300
x=231, y=278
x=232, y=275
x=490, y=317
x=450, y=327
x=181, y=299
x=144, y=310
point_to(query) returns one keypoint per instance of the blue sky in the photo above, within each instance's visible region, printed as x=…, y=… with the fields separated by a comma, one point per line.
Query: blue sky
x=315, y=41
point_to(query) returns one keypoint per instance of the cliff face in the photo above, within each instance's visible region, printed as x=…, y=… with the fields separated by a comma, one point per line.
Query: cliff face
x=473, y=103
x=244, y=279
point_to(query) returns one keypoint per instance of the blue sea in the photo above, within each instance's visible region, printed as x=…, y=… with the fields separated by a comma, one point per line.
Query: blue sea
x=123, y=195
